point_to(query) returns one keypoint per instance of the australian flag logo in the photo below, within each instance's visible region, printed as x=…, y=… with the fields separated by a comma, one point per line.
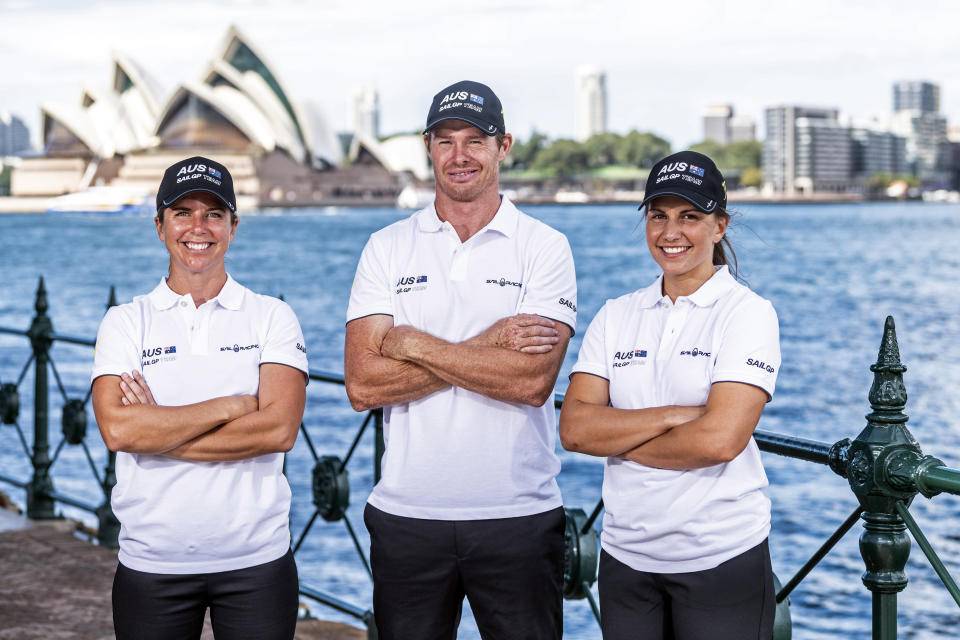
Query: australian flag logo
x=697, y=170
x=167, y=350
x=421, y=279
x=475, y=98
x=640, y=353
x=214, y=173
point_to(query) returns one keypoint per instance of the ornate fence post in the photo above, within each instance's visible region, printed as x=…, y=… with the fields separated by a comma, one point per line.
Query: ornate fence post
x=879, y=465
x=40, y=506
x=108, y=529
x=378, y=444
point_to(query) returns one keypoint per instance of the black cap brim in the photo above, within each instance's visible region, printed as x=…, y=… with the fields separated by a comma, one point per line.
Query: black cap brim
x=483, y=126
x=174, y=199
x=695, y=199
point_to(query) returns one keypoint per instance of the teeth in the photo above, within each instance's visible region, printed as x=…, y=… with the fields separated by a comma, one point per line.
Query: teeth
x=674, y=250
x=197, y=246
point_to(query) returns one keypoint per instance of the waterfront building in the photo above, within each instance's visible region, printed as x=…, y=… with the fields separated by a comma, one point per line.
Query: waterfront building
x=237, y=109
x=876, y=151
x=806, y=150
x=916, y=117
x=716, y=123
x=591, y=102
x=824, y=160
x=14, y=135
x=720, y=125
x=742, y=129
x=916, y=95
x=365, y=113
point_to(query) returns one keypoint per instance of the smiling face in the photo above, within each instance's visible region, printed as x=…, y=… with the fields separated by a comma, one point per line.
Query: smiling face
x=197, y=230
x=466, y=161
x=681, y=240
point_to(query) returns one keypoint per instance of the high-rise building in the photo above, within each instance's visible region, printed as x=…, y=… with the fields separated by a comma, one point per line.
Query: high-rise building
x=720, y=125
x=14, y=135
x=916, y=117
x=591, y=102
x=716, y=123
x=916, y=95
x=365, y=113
x=806, y=150
x=877, y=151
x=742, y=129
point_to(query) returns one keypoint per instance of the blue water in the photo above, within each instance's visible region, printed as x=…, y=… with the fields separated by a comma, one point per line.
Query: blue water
x=833, y=272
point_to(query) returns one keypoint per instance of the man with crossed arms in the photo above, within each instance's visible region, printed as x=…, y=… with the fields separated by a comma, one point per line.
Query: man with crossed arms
x=457, y=326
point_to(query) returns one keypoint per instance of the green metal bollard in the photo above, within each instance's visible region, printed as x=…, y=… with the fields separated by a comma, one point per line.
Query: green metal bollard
x=882, y=466
x=108, y=529
x=40, y=506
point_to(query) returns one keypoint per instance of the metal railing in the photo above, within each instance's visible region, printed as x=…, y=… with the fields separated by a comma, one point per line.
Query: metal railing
x=884, y=466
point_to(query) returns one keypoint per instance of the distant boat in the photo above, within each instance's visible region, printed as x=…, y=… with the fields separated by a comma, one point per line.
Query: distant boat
x=112, y=200
x=412, y=197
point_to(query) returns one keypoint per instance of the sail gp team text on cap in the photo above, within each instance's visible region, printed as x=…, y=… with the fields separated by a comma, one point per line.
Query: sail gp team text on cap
x=470, y=102
x=196, y=174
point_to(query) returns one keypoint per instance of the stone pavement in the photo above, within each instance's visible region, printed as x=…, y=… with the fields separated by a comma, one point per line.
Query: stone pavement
x=56, y=586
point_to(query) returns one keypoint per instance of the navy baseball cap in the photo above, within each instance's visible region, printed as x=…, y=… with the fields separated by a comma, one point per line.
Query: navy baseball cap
x=688, y=175
x=196, y=174
x=471, y=102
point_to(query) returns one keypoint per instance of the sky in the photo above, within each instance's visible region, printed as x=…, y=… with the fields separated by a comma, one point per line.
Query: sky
x=665, y=61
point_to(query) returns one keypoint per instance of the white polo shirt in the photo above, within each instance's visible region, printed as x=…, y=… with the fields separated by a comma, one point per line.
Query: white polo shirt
x=199, y=517
x=656, y=353
x=456, y=454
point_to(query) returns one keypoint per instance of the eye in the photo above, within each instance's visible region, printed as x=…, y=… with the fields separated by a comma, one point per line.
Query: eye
x=215, y=214
x=656, y=216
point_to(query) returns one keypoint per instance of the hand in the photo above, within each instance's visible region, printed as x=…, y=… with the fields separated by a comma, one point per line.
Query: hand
x=396, y=342
x=135, y=390
x=525, y=332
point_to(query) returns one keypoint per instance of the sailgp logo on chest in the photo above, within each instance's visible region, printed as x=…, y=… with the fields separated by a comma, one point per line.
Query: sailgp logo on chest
x=695, y=352
x=504, y=282
x=237, y=348
x=407, y=284
x=154, y=355
x=629, y=357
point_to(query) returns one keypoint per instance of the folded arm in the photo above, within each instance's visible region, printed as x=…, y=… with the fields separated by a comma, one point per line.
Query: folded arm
x=588, y=424
x=733, y=410
x=272, y=428
x=144, y=427
x=378, y=372
x=524, y=374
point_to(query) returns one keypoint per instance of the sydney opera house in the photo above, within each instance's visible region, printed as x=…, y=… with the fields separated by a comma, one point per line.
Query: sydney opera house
x=237, y=110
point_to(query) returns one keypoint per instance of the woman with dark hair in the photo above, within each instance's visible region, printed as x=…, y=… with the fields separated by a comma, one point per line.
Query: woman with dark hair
x=199, y=386
x=670, y=383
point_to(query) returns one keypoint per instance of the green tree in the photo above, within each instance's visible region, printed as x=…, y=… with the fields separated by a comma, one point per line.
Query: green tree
x=752, y=177
x=601, y=149
x=563, y=157
x=641, y=149
x=5, y=173
x=522, y=154
x=736, y=155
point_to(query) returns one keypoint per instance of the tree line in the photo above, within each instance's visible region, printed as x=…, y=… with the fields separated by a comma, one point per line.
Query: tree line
x=564, y=157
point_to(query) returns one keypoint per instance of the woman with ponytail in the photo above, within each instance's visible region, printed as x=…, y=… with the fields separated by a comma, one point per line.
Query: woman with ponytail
x=669, y=386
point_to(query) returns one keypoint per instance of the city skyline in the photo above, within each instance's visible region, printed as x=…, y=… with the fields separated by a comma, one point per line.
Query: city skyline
x=656, y=82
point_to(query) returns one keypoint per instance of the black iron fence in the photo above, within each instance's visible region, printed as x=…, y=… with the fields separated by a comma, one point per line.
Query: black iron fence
x=884, y=466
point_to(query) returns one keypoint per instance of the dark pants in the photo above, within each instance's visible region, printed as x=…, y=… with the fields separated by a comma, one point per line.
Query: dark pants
x=734, y=601
x=510, y=570
x=256, y=603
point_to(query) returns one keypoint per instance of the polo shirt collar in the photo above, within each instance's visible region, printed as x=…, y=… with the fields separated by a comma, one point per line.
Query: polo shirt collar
x=504, y=221
x=230, y=296
x=720, y=282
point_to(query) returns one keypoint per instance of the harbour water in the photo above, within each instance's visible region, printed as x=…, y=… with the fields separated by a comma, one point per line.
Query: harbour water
x=833, y=272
